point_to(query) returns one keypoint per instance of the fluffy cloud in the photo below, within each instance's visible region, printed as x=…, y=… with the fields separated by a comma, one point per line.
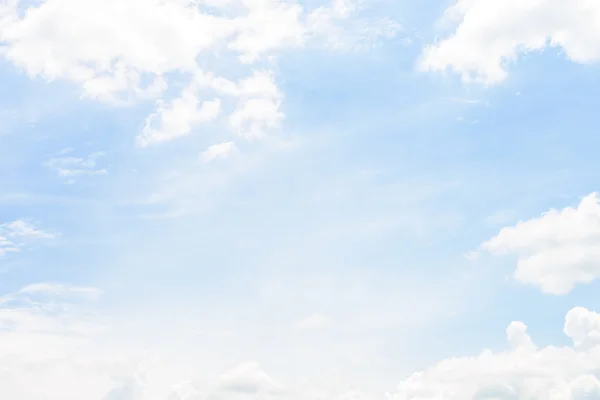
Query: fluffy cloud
x=556, y=251
x=489, y=34
x=524, y=372
x=178, y=118
x=123, y=51
x=48, y=337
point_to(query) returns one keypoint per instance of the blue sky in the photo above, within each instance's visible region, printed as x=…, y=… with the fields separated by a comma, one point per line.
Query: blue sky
x=314, y=200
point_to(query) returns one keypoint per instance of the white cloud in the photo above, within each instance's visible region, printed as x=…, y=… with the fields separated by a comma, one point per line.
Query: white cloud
x=71, y=167
x=178, y=118
x=45, y=346
x=123, y=51
x=253, y=117
x=328, y=24
x=490, y=34
x=557, y=250
x=16, y=234
x=61, y=290
x=52, y=346
x=7, y=246
x=524, y=372
x=24, y=229
x=259, y=102
x=249, y=379
x=221, y=150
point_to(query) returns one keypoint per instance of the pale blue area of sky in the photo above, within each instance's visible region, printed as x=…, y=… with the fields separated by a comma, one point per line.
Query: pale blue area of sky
x=396, y=175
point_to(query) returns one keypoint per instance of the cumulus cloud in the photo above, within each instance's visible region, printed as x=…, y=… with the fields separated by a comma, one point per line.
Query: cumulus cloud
x=124, y=51
x=177, y=119
x=490, y=34
x=50, y=345
x=523, y=372
x=557, y=250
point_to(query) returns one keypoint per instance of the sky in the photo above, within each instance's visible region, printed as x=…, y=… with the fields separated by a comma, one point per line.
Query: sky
x=299, y=200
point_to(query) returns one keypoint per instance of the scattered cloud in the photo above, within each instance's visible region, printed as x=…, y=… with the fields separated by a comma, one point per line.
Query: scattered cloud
x=73, y=167
x=178, y=118
x=489, y=35
x=555, y=251
x=7, y=246
x=16, y=234
x=23, y=229
x=125, y=51
x=523, y=372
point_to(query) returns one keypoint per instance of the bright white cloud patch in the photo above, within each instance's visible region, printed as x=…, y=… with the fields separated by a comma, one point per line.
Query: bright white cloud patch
x=490, y=34
x=524, y=372
x=557, y=250
x=178, y=118
x=122, y=51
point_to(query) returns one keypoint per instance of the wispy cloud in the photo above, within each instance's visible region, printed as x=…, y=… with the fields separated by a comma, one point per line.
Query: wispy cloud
x=16, y=234
x=74, y=167
x=216, y=151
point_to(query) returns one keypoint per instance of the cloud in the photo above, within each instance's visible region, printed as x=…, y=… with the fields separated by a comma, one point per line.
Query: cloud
x=46, y=345
x=249, y=379
x=16, y=234
x=7, y=246
x=23, y=229
x=178, y=118
x=524, y=372
x=221, y=150
x=44, y=313
x=557, y=250
x=125, y=51
x=490, y=34
x=61, y=290
x=72, y=167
